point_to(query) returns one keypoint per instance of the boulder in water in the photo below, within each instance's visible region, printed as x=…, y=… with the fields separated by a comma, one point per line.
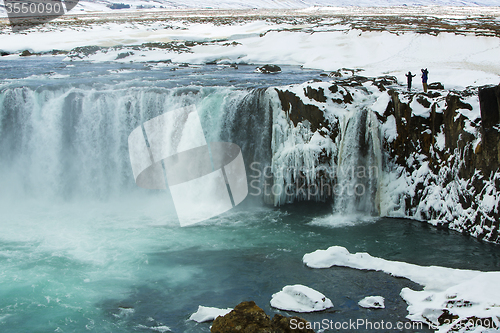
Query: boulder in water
x=248, y=317
x=268, y=69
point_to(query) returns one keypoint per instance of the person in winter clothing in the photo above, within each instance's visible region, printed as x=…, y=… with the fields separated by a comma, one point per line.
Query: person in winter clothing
x=409, y=78
x=425, y=76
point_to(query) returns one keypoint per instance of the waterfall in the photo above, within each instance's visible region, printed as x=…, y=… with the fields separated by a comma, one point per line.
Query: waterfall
x=341, y=164
x=70, y=142
x=66, y=142
x=359, y=165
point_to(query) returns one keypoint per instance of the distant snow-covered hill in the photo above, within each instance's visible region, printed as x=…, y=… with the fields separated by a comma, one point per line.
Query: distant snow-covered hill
x=240, y=4
x=276, y=4
x=133, y=5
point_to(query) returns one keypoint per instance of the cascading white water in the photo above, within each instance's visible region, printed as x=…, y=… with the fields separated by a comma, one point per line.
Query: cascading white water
x=359, y=165
x=345, y=167
x=68, y=142
x=296, y=166
x=71, y=142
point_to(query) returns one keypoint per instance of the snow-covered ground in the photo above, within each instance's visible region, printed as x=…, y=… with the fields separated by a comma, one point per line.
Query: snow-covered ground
x=277, y=4
x=104, y=5
x=452, y=299
x=460, y=46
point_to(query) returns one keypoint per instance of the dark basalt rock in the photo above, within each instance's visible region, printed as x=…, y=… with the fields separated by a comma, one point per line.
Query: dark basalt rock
x=489, y=98
x=382, y=82
x=86, y=50
x=57, y=52
x=444, y=138
x=124, y=55
x=26, y=53
x=435, y=86
x=298, y=111
x=446, y=317
x=335, y=74
x=424, y=101
x=269, y=69
x=282, y=324
x=247, y=317
x=316, y=94
x=416, y=135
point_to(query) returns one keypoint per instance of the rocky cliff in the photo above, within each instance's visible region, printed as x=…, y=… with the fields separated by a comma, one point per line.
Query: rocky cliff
x=368, y=144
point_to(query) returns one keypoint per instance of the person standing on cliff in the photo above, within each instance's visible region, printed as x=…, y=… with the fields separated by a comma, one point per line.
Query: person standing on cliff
x=425, y=76
x=409, y=78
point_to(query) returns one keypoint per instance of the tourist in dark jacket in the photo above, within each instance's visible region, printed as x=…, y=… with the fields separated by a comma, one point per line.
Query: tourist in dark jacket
x=409, y=77
x=425, y=76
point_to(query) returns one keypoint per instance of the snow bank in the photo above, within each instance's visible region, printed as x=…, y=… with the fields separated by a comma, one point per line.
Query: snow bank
x=300, y=298
x=208, y=314
x=451, y=297
x=453, y=59
x=432, y=277
x=375, y=302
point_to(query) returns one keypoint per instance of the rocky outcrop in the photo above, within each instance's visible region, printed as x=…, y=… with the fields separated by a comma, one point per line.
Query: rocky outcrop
x=247, y=317
x=489, y=98
x=268, y=69
x=439, y=151
x=435, y=86
x=298, y=111
x=454, y=182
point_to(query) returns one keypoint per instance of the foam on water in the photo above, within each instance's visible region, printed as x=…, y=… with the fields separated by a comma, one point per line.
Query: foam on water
x=342, y=220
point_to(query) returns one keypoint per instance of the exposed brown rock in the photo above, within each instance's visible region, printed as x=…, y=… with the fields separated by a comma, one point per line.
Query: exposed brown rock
x=316, y=94
x=269, y=69
x=489, y=99
x=247, y=317
x=435, y=86
x=459, y=158
x=282, y=324
x=297, y=111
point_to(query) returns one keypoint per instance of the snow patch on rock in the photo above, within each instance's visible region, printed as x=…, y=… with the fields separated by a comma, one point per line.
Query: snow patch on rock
x=373, y=302
x=300, y=298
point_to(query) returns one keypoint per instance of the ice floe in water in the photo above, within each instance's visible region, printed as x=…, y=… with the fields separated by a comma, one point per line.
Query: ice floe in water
x=374, y=302
x=300, y=298
x=452, y=299
x=205, y=313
